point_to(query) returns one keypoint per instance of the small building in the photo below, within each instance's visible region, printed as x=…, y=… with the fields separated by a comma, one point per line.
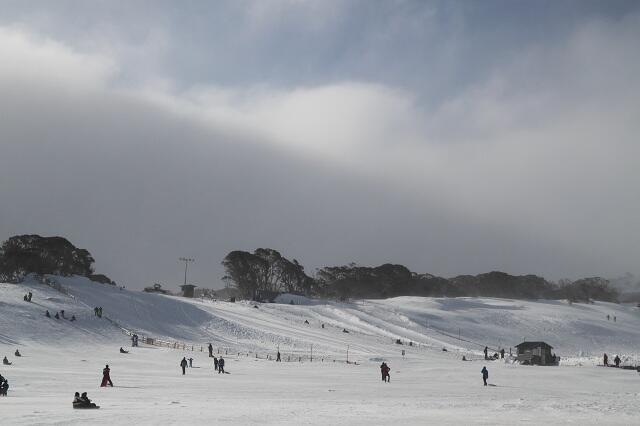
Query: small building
x=187, y=290
x=536, y=353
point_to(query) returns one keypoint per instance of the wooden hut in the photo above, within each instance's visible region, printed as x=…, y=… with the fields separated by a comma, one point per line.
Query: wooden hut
x=536, y=353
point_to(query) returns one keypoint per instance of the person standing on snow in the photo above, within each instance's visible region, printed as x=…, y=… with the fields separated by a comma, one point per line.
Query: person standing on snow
x=616, y=360
x=486, y=352
x=190, y=362
x=215, y=364
x=221, y=365
x=183, y=364
x=106, y=377
x=605, y=360
x=278, y=357
x=485, y=375
x=210, y=350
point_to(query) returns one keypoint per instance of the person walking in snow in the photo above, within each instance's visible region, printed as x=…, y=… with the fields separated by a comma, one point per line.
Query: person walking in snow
x=210, y=350
x=486, y=352
x=190, y=362
x=485, y=375
x=215, y=364
x=278, y=357
x=616, y=360
x=605, y=360
x=221, y=365
x=384, y=370
x=106, y=377
x=183, y=364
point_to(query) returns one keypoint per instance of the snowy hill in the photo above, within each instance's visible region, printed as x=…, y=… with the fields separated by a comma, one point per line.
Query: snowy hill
x=428, y=385
x=459, y=324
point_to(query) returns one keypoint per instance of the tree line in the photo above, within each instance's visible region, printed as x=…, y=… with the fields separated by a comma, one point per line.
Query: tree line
x=263, y=274
x=22, y=255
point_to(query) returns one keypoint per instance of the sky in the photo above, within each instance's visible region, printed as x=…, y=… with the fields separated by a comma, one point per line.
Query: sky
x=454, y=137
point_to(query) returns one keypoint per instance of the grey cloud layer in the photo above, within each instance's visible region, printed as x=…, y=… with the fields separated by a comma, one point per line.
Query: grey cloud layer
x=529, y=166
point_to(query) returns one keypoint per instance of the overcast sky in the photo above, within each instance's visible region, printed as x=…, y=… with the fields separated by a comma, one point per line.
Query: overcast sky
x=453, y=137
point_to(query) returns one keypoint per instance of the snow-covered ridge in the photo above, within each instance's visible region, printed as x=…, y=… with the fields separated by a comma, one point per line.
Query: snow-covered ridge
x=458, y=324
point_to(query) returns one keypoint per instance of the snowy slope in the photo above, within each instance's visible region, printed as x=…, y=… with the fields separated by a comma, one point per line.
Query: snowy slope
x=373, y=325
x=428, y=385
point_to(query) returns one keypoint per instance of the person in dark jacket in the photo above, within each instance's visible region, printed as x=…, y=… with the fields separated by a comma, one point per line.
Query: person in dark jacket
x=616, y=360
x=502, y=353
x=47, y=314
x=605, y=360
x=215, y=363
x=106, y=377
x=17, y=353
x=210, y=350
x=4, y=387
x=83, y=402
x=221, y=365
x=183, y=364
x=5, y=361
x=278, y=357
x=190, y=362
x=485, y=375
x=486, y=352
x=57, y=316
x=384, y=370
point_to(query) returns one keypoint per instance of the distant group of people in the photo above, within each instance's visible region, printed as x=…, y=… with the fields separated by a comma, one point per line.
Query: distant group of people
x=616, y=360
x=59, y=315
x=495, y=355
x=98, y=311
x=609, y=318
x=4, y=386
x=28, y=296
x=385, y=370
x=83, y=401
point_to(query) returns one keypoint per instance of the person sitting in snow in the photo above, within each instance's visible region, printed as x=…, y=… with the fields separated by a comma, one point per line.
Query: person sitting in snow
x=83, y=401
x=57, y=316
x=485, y=375
x=5, y=361
x=122, y=351
x=17, y=353
x=47, y=314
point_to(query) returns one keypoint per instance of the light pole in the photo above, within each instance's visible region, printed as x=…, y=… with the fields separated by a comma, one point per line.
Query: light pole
x=186, y=261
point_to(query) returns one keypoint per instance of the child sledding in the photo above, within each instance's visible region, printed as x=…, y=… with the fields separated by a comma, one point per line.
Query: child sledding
x=82, y=401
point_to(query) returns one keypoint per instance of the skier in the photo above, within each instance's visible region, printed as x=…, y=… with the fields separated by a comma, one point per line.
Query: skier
x=17, y=353
x=210, y=350
x=122, y=351
x=617, y=361
x=486, y=352
x=5, y=361
x=278, y=357
x=106, y=377
x=190, y=362
x=221, y=365
x=47, y=314
x=605, y=359
x=215, y=364
x=485, y=375
x=183, y=364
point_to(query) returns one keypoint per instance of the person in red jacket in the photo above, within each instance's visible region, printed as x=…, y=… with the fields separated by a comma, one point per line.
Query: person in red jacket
x=106, y=379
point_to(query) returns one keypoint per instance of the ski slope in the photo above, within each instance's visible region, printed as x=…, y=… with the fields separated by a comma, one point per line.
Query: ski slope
x=428, y=384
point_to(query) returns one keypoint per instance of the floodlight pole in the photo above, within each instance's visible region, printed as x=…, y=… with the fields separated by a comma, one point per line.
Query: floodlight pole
x=186, y=261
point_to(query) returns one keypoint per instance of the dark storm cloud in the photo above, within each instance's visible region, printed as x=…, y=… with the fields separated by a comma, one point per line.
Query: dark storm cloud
x=452, y=137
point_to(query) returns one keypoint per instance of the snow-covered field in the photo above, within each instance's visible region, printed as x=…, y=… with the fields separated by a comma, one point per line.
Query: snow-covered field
x=427, y=384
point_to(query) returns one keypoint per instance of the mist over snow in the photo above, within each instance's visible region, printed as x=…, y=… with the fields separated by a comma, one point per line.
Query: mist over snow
x=450, y=137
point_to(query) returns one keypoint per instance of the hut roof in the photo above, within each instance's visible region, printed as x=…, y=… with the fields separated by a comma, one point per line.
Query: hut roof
x=529, y=345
